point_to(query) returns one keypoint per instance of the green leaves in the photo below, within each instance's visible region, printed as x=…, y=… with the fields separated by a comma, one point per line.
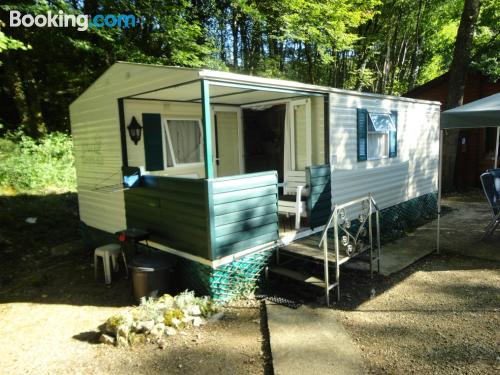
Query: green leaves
x=7, y=43
x=37, y=166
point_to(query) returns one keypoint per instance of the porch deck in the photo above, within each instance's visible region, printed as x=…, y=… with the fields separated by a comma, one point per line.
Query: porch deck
x=308, y=248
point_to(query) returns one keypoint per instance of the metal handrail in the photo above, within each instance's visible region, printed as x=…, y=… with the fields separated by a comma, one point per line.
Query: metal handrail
x=373, y=208
x=338, y=207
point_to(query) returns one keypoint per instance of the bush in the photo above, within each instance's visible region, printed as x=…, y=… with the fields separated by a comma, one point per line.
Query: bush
x=37, y=166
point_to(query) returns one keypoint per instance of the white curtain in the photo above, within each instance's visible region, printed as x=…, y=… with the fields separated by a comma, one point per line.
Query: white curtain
x=377, y=145
x=185, y=136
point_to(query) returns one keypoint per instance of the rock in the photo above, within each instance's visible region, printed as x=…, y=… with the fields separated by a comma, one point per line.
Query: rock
x=197, y=321
x=144, y=326
x=106, y=339
x=121, y=341
x=162, y=344
x=187, y=320
x=123, y=331
x=195, y=310
x=216, y=317
x=176, y=322
x=31, y=220
x=157, y=331
x=170, y=331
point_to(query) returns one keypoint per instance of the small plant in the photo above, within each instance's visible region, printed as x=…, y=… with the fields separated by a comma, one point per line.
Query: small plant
x=173, y=318
x=207, y=306
x=185, y=299
x=115, y=321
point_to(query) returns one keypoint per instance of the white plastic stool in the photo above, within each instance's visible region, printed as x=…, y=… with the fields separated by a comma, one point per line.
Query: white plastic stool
x=109, y=254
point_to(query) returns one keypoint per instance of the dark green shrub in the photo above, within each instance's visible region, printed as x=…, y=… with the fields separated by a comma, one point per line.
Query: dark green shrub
x=36, y=166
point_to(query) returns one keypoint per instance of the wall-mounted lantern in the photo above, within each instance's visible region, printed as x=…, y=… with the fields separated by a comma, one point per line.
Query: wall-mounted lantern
x=134, y=130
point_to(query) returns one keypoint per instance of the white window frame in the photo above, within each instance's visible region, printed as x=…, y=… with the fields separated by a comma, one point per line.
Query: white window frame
x=291, y=106
x=167, y=138
x=241, y=145
x=387, y=133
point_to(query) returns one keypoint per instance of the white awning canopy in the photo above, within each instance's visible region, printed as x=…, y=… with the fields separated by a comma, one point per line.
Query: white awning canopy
x=477, y=114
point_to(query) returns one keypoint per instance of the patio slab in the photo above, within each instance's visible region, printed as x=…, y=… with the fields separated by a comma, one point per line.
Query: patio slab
x=310, y=341
x=461, y=231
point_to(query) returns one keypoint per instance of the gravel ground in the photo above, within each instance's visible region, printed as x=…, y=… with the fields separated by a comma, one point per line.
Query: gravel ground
x=37, y=338
x=440, y=316
x=51, y=306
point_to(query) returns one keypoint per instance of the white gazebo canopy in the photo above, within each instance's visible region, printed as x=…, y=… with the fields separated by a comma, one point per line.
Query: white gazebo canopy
x=481, y=113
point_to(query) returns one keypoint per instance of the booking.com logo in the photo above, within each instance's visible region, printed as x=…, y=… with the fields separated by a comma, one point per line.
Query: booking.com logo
x=81, y=21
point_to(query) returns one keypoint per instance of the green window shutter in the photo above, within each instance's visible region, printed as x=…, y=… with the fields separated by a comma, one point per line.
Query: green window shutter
x=393, y=136
x=153, y=145
x=362, y=134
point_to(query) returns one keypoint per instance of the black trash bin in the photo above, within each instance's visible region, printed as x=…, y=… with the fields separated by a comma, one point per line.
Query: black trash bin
x=151, y=276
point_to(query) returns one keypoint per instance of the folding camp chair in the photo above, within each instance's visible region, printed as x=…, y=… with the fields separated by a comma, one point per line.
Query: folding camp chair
x=491, y=186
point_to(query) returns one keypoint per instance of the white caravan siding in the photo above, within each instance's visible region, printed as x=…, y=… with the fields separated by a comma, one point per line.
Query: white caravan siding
x=414, y=172
x=96, y=137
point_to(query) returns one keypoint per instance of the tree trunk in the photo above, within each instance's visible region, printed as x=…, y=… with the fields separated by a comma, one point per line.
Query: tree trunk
x=456, y=85
x=24, y=92
x=310, y=67
x=416, y=53
x=234, y=32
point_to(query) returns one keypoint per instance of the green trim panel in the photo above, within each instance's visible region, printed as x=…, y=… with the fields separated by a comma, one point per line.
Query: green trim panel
x=319, y=201
x=362, y=134
x=153, y=144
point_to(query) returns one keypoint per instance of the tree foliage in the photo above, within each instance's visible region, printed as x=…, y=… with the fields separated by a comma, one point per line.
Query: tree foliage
x=385, y=46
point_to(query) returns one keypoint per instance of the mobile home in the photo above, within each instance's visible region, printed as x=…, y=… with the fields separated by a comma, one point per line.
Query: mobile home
x=206, y=161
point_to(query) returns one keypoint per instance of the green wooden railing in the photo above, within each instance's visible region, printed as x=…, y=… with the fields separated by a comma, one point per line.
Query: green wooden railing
x=208, y=218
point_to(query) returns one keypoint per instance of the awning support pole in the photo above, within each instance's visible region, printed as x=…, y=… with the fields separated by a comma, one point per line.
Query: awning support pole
x=440, y=182
x=207, y=128
x=495, y=164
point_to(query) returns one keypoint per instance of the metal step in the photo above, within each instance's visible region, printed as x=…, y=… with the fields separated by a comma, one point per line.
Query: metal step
x=298, y=276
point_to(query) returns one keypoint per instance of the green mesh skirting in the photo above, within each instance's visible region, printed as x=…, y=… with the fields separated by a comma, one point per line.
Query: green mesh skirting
x=402, y=218
x=239, y=277
x=396, y=221
x=229, y=281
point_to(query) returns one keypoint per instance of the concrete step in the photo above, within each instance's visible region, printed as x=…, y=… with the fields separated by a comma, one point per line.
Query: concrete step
x=298, y=276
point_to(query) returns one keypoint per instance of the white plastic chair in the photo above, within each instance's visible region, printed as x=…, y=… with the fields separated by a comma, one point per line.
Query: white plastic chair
x=109, y=254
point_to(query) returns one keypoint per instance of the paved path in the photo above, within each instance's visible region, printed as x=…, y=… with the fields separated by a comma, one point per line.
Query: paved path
x=310, y=341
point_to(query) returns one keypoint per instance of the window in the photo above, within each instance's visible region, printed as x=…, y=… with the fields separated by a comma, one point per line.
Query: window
x=380, y=125
x=183, y=142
